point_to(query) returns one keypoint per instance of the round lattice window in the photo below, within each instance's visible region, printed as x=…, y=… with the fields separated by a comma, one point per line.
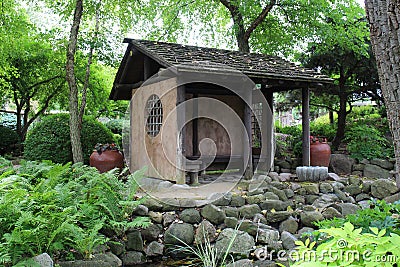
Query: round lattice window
x=154, y=113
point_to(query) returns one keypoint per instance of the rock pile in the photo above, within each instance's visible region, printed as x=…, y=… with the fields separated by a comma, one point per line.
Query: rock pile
x=269, y=213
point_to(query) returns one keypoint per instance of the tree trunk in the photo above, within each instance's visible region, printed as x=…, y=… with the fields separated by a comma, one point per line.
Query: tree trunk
x=341, y=124
x=384, y=20
x=75, y=132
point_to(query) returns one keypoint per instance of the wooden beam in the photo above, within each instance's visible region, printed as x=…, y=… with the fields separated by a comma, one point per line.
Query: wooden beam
x=306, y=125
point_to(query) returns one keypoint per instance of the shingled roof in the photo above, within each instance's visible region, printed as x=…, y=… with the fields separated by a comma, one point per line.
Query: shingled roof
x=259, y=67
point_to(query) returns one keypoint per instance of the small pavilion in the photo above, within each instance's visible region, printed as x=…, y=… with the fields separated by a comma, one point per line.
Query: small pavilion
x=157, y=77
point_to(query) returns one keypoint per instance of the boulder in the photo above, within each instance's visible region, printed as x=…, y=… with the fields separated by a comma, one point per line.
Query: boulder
x=288, y=240
x=141, y=210
x=220, y=199
x=237, y=201
x=266, y=236
x=308, y=218
x=346, y=208
x=155, y=249
x=277, y=205
x=289, y=225
x=341, y=164
x=205, y=233
x=383, y=163
x=256, y=199
x=152, y=232
x=241, y=247
x=274, y=217
x=241, y=263
x=132, y=258
x=99, y=260
x=190, y=216
x=248, y=211
x=325, y=200
x=168, y=218
x=134, y=241
x=331, y=212
x=383, y=188
x=231, y=212
x=213, y=213
x=374, y=171
x=311, y=189
x=353, y=189
x=155, y=216
x=178, y=233
x=44, y=260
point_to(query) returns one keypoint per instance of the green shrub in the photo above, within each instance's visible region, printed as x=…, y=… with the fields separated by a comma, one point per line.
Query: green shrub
x=8, y=138
x=366, y=142
x=63, y=210
x=115, y=126
x=381, y=215
x=50, y=139
x=323, y=129
x=347, y=246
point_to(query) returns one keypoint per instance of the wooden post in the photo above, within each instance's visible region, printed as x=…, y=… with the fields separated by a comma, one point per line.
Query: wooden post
x=267, y=120
x=247, y=124
x=180, y=153
x=306, y=125
x=195, y=134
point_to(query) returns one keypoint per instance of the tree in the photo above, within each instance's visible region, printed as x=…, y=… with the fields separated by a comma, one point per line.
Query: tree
x=384, y=21
x=75, y=131
x=342, y=51
x=273, y=27
x=31, y=75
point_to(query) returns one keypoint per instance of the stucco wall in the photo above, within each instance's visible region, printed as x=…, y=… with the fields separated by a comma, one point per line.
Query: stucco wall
x=157, y=153
x=213, y=130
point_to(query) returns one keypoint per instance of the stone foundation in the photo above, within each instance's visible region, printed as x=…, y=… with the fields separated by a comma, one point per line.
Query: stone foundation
x=268, y=212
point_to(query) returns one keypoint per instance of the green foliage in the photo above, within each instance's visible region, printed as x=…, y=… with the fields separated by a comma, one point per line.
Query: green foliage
x=323, y=129
x=366, y=142
x=349, y=246
x=115, y=125
x=295, y=141
x=54, y=208
x=50, y=140
x=206, y=252
x=8, y=138
x=380, y=215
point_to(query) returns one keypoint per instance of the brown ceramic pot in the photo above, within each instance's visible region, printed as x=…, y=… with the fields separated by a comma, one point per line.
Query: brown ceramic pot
x=107, y=160
x=320, y=152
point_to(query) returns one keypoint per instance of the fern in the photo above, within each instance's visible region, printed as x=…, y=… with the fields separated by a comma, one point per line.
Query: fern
x=52, y=208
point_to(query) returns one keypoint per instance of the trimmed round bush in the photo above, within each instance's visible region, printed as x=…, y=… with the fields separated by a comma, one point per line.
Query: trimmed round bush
x=115, y=126
x=8, y=138
x=50, y=139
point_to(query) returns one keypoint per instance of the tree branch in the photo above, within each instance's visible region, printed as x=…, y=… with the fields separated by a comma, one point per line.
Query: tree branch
x=261, y=17
x=324, y=106
x=43, y=82
x=8, y=111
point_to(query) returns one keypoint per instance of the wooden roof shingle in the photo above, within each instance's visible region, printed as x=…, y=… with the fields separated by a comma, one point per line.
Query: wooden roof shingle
x=257, y=66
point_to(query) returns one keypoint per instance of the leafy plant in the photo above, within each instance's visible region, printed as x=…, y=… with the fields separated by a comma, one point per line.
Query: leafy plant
x=115, y=125
x=50, y=140
x=347, y=246
x=366, y=142
x=206, y=252
x=53, y=208
x=8, y=138
x=380, y=215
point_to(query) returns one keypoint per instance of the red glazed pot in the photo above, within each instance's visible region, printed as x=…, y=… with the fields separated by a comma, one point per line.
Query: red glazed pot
x=320, y=152
x=107, y=160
